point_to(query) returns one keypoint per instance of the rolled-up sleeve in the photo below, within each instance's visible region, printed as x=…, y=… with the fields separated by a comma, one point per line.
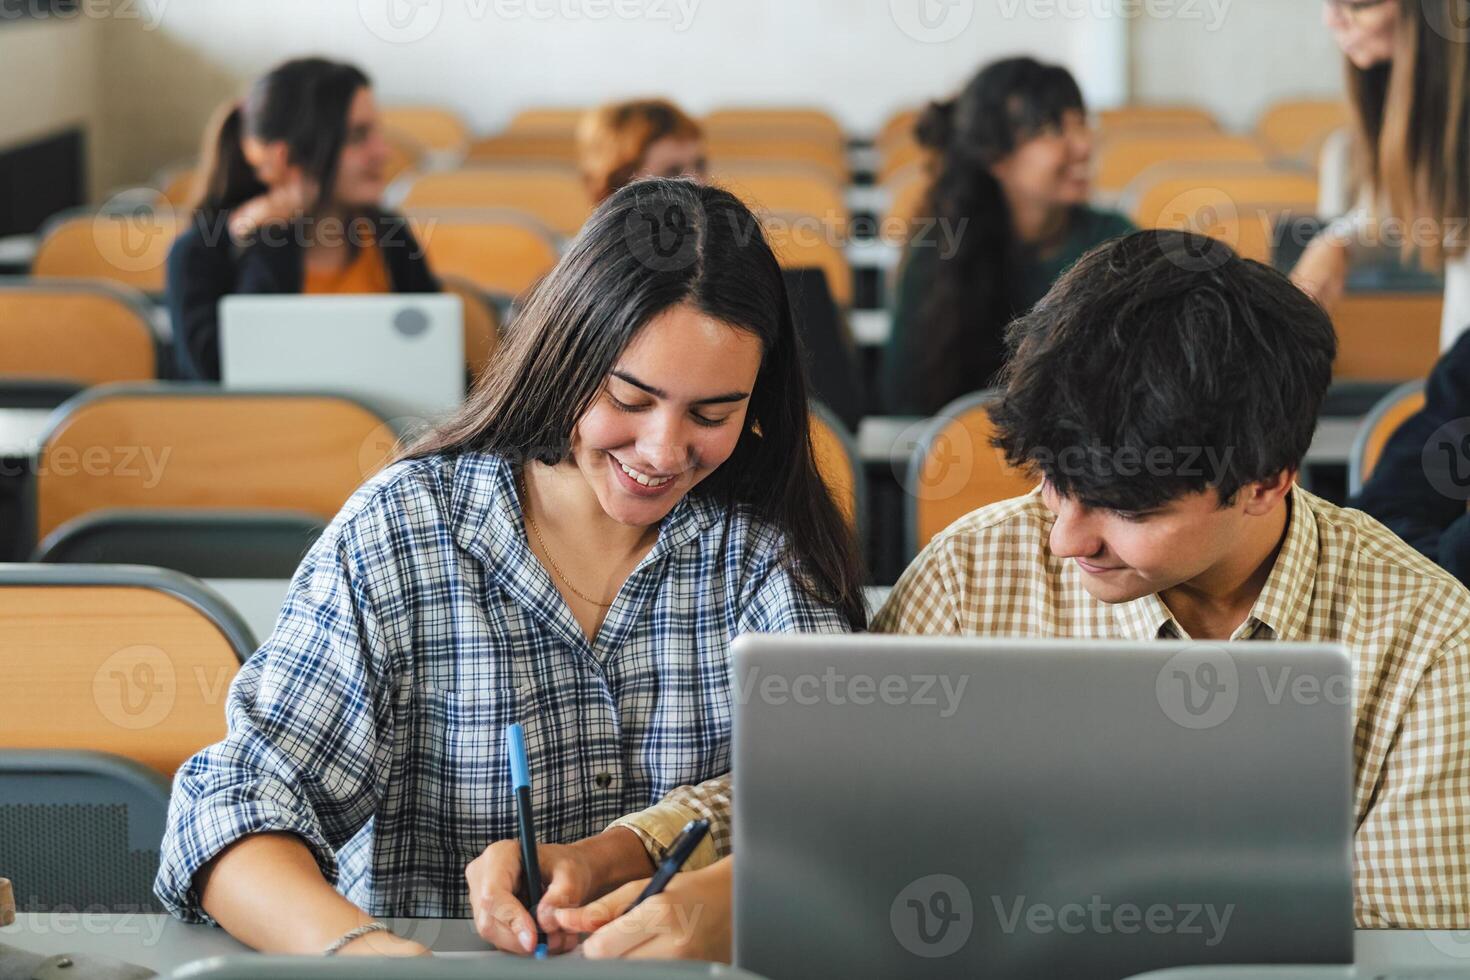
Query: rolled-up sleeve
x=306, y=751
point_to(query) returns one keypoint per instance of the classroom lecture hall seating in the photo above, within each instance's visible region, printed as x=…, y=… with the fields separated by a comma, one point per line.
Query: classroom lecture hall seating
x=197, y=446
x=954, y=470
x=73, y=334
x=838, y=466
x=130, y=248
x=114, y=676
x=134, y=661
x=84, y=830
x=1380, y=424
x=205, y=544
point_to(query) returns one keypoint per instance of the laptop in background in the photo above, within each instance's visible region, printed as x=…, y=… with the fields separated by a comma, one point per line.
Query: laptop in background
x=402, y=354
x=938, y=807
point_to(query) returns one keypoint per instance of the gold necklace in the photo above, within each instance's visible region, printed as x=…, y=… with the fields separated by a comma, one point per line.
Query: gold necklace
x=526, y=510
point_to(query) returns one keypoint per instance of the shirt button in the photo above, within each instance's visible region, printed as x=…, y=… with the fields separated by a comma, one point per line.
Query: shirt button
x=603, y=780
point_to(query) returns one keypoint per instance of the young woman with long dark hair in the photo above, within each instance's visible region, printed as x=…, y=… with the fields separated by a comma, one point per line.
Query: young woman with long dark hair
x=293, y=178
x=630, y=486
x=1010, y=181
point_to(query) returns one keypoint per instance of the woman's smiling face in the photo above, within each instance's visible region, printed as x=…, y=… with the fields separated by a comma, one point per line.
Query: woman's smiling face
x=670, y=412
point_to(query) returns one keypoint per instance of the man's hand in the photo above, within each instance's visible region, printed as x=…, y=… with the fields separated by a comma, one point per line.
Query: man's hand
x=690, y=920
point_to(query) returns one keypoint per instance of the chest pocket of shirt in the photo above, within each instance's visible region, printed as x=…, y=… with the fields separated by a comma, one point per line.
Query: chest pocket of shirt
x=463, y=775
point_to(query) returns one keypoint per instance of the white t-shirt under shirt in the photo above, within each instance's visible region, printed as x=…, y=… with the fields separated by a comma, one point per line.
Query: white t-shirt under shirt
x=1456, y=300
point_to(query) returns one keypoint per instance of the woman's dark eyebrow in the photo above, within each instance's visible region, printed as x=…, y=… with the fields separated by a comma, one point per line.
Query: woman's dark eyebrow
x=733, y=396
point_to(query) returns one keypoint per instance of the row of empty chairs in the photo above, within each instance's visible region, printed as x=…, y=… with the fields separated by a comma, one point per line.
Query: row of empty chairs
x=82, y=328
x=114, y=676
x=129, y=453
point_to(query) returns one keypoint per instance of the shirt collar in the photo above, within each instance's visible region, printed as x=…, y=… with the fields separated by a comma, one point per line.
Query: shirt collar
x=1282, y=604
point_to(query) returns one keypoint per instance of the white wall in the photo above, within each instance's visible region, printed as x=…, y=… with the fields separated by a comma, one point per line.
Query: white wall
x=49, y=77
x=151, y=71
x=1236, y=57
x=860, y=59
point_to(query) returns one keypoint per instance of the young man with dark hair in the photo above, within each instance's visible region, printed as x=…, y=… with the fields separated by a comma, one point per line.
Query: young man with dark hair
x=1165, y=392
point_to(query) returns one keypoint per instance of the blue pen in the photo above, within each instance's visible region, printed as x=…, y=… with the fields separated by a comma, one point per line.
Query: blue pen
x=520, y=781
x=679, y=852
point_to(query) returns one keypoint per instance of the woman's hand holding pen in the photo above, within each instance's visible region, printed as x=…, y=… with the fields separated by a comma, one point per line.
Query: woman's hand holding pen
x=572, y=875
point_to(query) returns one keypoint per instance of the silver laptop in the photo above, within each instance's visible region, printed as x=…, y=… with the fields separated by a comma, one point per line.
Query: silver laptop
x=402, y=354
x=927, y=807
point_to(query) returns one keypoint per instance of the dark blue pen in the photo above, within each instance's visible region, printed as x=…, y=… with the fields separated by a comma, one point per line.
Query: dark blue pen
x=678, y=853
x=520, y=781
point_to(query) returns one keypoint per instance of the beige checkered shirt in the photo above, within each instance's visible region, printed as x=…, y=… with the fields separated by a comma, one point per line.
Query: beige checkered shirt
x=1340, y=577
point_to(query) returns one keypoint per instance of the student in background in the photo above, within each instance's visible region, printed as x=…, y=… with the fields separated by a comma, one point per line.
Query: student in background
x=632, y=486
x=624, y=141
x=1408, y=73
x=293, y=177
x=1422, y=481
x=1011, y=156
x=1165, y=393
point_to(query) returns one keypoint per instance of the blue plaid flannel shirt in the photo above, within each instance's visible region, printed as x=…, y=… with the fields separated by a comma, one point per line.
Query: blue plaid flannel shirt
x=370, y=723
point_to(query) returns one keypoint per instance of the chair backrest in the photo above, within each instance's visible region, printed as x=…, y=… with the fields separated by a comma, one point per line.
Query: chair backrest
x=179, y=185
x=83, y=332
x=499, y=251
x=839, y=467
x=805, y=242
x=1123, y=156
x=954, y=470
x=1156, y=117
x=733, y=149
x=554, y=196
x=907, y=189
x=197, y=446
x=80, y=831
x=547, y=119
x=1296, y=128
x=1248, y=228
x=131, y=249
x=1378, y=426
x=481, y=323
x=897, y=127
x=205, y=544
x=1163, y=192
x=524, y=147
x=431, y=127
x=815, y=124
x=899, y=155
x=1386, y=336
x=119, y=658
x=790, y=188
x=404, y=154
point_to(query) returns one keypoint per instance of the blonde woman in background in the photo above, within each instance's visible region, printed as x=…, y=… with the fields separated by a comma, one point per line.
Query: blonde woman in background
x=1408, y=79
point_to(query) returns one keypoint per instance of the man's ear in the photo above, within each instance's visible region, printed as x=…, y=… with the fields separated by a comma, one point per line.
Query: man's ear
x=1263, y=496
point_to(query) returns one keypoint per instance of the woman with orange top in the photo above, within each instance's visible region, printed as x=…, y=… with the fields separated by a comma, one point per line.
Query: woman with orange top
x=293, y=178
